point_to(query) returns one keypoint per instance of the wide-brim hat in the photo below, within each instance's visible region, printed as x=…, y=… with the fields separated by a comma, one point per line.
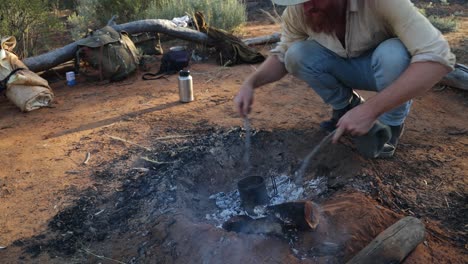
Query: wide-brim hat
x=289, y=2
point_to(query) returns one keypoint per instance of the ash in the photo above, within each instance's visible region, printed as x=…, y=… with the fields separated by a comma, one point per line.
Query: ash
x=228, y=204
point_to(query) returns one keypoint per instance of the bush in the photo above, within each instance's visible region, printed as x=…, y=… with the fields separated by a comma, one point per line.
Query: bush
x=444, y=24
x=94, y=14
x=31, y=22
x=223, y=14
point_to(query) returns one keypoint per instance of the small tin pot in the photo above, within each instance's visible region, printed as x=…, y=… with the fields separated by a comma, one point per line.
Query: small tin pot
x=253, y=192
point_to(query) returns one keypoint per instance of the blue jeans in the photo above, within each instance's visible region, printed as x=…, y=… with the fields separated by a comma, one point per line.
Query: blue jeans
x=333, y=78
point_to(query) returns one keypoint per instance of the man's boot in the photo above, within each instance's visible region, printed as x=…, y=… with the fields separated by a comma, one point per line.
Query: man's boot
x=390, y=147
x=330, y=125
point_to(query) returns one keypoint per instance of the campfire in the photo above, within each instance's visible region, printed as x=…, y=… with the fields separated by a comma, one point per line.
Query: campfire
x=276, y=207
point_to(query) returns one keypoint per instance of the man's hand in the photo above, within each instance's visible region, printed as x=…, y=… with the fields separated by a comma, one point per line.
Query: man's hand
x=269, y=71
x=357, y=122
x=244, y=99
x=413, y=82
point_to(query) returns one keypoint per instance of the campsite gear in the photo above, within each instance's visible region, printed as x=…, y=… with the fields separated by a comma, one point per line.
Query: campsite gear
x=371, y=144
x=149, y=43
x=70, y=78
x=299, y=175
x=231, y=49
x=24, y=88
x=185, y=86
x=4, y=82
x=172, y=62
x=107, y=54
x=390, y=147
x=29, y=91
x=330, y=125
x=253, y=192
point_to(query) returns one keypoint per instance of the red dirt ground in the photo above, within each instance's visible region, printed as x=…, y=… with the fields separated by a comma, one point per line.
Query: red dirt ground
x=42, y=154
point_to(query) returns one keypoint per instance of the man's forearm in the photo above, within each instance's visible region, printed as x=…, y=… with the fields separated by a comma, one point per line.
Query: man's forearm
x=418, y=78
x=270, y=70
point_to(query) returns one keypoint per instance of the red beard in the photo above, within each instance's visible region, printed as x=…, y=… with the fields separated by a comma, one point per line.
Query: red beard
x=324, y=21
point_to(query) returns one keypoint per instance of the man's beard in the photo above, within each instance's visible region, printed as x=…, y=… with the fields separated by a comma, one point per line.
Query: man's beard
x=324, y=21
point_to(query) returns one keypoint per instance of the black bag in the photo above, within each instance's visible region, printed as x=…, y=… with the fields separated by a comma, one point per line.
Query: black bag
x=172, y=62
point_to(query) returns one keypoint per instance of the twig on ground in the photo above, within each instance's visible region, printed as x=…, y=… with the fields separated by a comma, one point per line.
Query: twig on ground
x=88, y=156
x=129, y=142
x=172, y=137
x=140, y=169
x=102, y=257
x=72, y=172
x=458, y=132
x=155, y=161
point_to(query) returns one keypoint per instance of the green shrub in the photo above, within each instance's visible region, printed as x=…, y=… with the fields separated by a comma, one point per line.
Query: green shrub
x=93, y=14
x=444, y=24
x=31, y=22
x=223, y=14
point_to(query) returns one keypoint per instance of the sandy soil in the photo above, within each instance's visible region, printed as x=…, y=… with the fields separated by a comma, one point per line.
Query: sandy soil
x=44, y=177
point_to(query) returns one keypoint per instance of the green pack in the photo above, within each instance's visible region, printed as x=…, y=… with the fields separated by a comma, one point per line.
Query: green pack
x=106, y=54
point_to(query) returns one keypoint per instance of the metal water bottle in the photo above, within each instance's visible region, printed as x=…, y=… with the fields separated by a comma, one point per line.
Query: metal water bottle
x=185, y=86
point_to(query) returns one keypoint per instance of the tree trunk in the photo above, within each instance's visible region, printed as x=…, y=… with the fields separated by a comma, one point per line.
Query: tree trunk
x=55, y=57
x=393, y=244
x=457, y=78
x=273, y=38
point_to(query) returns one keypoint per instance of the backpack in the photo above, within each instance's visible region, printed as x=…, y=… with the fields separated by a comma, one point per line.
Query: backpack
x=176, y=59
x=107, y=55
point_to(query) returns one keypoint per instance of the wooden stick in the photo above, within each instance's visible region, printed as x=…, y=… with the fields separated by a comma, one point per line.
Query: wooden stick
x=102, y=257
x=299, y=175
x=172, y=137
x=393, y=244
x=155, y=161
x=88, y=156
x=129, y=142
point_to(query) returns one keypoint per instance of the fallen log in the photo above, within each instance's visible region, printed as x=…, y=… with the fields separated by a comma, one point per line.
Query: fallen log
x=61, y=55
x=393, y=244
x=457, y=78
x=273, y=38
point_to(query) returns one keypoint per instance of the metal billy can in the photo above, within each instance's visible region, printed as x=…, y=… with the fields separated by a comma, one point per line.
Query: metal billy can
x=185, y=86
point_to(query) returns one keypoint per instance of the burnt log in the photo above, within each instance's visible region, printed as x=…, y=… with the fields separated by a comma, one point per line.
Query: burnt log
x=393, y=244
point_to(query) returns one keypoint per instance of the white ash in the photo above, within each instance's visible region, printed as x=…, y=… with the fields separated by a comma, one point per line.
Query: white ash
x=228, y=204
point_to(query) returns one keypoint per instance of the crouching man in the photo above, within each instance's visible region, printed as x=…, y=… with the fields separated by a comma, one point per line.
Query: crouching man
x=339, y=46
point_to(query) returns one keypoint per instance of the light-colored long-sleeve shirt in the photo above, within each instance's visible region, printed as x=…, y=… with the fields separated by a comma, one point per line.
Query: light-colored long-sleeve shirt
x=368, y=23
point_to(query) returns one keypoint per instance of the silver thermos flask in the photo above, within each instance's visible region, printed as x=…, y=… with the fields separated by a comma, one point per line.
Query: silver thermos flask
x=185, y=86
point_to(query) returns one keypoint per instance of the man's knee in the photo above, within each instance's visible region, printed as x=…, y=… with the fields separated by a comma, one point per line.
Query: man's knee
x=391, y=57
x=302, y=54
